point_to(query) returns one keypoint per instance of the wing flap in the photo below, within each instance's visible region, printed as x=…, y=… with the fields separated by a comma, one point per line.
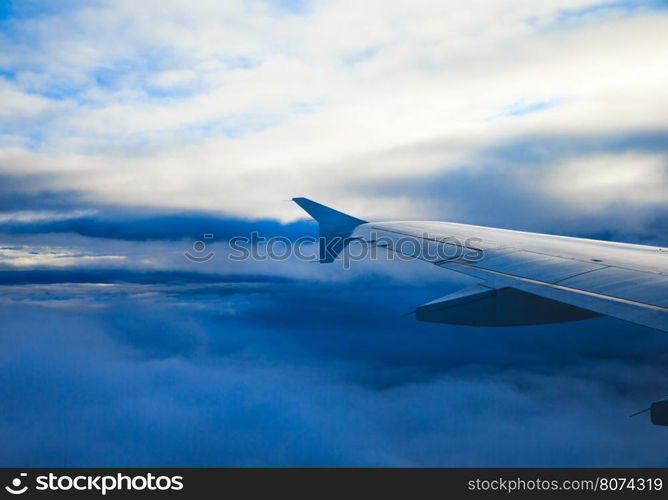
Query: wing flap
x=484, y=306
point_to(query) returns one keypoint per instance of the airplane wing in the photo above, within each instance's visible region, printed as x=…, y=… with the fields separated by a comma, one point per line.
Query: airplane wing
x=522, y=278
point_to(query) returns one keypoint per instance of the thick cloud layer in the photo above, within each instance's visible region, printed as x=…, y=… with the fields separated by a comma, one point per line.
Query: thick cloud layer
x=312, y=374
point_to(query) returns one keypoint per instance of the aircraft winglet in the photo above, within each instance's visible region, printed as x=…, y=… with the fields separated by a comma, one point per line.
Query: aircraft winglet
x=335, y=227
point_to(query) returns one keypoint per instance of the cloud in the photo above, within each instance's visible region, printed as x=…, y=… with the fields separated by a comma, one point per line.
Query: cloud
x=599, y=181
x=284, y=378
x=22, y=256
x=136, y=127
x=607, y=186
x=101, y=275
x=140, y=225
x=232, y=108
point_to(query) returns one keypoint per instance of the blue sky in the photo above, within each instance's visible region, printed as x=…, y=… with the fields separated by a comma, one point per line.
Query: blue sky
x=130, y=129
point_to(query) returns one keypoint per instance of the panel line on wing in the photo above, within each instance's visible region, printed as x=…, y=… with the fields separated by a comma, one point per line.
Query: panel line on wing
x=580, y=274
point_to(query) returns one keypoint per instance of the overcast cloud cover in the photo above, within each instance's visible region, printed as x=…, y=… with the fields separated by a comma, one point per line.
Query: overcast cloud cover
x=129, y=129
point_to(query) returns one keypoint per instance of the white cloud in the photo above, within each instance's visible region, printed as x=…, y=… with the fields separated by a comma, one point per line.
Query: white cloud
x=173, y=78
x=24, y=256
x=235, y=106
x=596, y=181
x=43, y=216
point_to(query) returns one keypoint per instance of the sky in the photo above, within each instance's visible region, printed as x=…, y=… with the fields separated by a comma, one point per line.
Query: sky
x=128, y=130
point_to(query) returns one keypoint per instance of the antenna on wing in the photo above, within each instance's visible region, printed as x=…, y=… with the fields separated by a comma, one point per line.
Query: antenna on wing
x=639, y=412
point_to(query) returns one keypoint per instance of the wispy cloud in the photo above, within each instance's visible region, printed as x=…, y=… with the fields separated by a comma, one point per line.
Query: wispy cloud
x=519, y=109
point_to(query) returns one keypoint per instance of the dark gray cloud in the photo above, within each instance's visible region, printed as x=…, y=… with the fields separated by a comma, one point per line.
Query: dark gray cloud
x=500, y=186
x=137, y=226
x=44, y=276
x=28, y=192
x=63, y=211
